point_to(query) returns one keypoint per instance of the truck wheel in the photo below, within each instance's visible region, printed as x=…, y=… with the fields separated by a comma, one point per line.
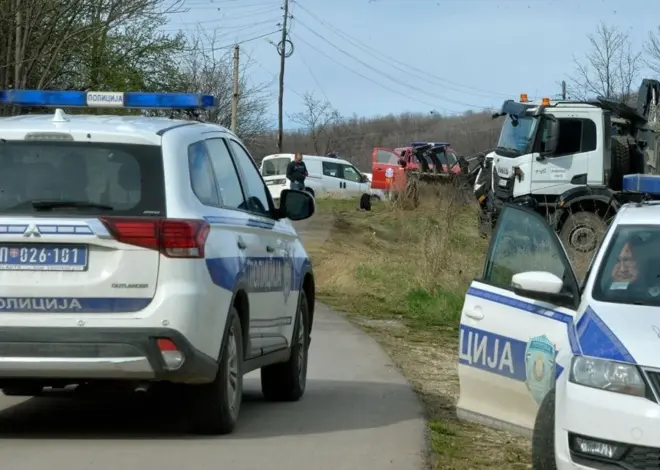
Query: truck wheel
x=286, y=381
x=620, y=162
x=543, y=437
x=215, y=406
x=582, y=232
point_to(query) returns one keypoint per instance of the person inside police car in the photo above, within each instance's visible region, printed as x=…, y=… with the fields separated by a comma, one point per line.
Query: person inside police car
x=632, y=277
x=296, y=172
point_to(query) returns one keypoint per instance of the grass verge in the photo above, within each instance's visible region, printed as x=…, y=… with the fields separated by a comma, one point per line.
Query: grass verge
x=402, y=275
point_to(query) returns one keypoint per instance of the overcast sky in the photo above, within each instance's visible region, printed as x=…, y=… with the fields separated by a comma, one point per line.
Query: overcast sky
x=474, y=53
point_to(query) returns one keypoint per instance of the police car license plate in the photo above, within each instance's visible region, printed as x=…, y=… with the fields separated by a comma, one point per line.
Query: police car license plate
x=39, y=257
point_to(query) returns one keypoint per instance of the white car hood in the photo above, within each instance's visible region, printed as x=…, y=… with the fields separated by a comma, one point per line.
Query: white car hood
x=621, y=332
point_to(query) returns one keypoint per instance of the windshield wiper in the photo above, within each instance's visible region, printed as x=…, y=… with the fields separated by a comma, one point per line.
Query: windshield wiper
x=513, y=151
x=46, y=205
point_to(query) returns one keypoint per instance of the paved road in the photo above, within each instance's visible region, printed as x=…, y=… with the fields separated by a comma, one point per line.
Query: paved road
x=358, y=414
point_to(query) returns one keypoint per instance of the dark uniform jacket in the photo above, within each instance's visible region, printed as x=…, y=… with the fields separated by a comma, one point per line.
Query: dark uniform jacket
x=296, y=171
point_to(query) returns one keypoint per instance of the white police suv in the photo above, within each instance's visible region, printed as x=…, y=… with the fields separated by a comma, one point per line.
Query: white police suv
x=576, y=365
x=141, y=251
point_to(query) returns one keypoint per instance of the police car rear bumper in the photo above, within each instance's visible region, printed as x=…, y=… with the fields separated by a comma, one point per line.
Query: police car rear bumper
x=98, y=353
x=631, y=424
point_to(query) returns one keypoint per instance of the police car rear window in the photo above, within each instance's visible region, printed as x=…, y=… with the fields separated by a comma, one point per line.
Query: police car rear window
x=88, y=178
x=630, y=271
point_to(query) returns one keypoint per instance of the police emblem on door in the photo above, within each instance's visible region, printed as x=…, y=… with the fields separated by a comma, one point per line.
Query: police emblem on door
x=539, y=367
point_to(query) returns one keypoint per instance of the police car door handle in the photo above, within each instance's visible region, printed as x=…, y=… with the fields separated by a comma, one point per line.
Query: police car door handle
x=241, y=245
x=476, y=314
x=270, y=249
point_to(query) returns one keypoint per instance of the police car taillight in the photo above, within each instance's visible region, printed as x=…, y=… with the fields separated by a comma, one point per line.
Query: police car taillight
x=172, y=357
x=174, y=238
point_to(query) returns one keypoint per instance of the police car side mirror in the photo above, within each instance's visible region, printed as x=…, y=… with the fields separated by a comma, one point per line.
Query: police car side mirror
x=296, y=205
x=538, y=281
x=543, y=286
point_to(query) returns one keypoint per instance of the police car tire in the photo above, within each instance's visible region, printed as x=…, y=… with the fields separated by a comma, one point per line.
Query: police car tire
x=211, y=413
x=543, y=436
x=282, y=382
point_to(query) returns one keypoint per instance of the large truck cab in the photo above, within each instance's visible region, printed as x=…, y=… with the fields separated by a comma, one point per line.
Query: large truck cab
x=567, y=159
x=530, y=159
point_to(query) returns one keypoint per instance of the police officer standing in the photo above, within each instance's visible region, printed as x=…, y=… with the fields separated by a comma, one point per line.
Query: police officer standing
x=296, y=172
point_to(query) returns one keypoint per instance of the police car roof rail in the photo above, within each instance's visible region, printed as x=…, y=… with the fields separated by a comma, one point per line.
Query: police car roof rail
x=190, y=102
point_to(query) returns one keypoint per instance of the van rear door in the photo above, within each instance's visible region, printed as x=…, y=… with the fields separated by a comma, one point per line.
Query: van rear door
x=273, y=170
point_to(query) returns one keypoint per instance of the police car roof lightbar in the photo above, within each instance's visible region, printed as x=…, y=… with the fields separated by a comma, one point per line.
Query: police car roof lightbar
x=105, y=99
x=647, y=184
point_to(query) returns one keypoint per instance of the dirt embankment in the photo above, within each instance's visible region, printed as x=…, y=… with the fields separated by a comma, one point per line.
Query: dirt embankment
x=402, y=275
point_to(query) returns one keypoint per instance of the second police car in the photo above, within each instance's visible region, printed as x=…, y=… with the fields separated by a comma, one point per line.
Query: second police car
x=572, y=363
x=141, y=251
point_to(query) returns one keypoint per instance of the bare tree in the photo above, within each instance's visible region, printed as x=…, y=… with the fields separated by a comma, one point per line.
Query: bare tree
x=652, y=49
x=609, y=69
x=209, y=70
x=319, y=119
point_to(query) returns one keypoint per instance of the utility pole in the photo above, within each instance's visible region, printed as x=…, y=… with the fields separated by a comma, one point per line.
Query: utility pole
x=280, y=100
x=563, y=90
x=18, y=46
x=234, y=98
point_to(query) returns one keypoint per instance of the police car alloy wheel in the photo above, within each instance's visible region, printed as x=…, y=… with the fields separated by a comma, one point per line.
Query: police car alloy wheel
x=216, y=406
x=286, y=381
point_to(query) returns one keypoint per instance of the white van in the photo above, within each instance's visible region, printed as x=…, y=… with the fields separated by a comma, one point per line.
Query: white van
x=327, y=175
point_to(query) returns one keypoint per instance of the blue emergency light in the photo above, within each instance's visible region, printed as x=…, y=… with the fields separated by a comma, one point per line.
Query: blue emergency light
x=647, y=184
x=106, y=99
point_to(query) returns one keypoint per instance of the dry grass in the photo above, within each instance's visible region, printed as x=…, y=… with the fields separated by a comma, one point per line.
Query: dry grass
x=402, y=275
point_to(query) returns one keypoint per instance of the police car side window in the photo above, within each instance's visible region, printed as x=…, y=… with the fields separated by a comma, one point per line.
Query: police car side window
x=258, y=200
x=202, y=180
x=523, y=242
x=229, y=184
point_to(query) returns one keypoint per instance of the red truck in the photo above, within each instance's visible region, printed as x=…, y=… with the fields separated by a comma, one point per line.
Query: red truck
x=389, y=164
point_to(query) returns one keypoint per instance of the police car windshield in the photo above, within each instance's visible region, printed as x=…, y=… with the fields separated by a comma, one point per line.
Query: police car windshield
x=82, y=178
x=630, y=271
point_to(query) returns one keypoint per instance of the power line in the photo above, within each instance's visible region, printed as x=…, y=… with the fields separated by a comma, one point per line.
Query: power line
x=318, y=84
x=248, y=15
x=407, y=68
x=276, y=78
x=235, y=43
x=388, y=76
x=431, y=105
x=272, y=21
x=209, y=6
